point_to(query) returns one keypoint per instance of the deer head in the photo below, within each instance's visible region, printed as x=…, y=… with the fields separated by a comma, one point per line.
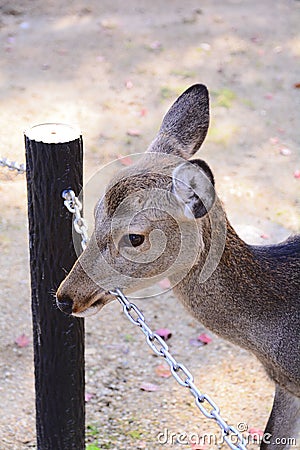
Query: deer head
x=150, y=224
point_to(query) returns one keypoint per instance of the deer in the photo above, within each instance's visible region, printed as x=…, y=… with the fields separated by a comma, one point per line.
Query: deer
x=161, y=217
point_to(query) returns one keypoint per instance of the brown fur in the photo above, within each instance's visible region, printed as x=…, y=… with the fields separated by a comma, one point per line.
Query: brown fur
x=246, y=294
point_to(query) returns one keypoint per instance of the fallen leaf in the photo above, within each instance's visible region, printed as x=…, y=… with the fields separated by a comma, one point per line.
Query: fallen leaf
x=125, y=160
x=163, y=371
x=256, y=433
x=165, y=283
x=164, y=333
x=88, y=396
x=297, y=85
x=198, y=447
x=155, y=45
x=128, y=84
x=133, y=132
x=149, y=387
x=269, y=96
x=22, y=340
x=285, y=151
x=204, y=338
x=297, y=174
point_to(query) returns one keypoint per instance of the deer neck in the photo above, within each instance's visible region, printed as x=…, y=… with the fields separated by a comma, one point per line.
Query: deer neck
x=233, y=300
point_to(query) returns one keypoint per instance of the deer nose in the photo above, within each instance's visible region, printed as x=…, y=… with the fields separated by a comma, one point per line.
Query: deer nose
x=65, y=304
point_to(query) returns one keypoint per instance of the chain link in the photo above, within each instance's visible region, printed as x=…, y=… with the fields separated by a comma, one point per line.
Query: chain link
x=182, y=375
x=12, y=165
x=73, y=205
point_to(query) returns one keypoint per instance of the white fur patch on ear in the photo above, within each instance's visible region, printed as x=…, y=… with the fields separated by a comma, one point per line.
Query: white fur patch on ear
x=192, y=186
x=182, y=189
x=188, y=213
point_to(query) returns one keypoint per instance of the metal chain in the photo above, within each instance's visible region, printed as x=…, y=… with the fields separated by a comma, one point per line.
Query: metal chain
x=181, y=374
x=12, y=165
x=73, y=205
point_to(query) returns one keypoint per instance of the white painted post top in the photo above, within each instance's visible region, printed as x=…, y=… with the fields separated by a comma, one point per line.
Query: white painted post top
x=53, y=133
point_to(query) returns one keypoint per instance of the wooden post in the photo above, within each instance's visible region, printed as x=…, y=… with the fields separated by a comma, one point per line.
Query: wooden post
x=54, y=162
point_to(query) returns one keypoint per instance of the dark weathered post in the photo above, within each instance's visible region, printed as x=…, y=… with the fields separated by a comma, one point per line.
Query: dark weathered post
x=54, y=161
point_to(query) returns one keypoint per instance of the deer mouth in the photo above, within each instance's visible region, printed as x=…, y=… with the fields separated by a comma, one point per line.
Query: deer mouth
x=94, y=306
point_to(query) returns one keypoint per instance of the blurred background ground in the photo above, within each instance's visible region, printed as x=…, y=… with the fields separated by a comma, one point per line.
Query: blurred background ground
x=114, y=68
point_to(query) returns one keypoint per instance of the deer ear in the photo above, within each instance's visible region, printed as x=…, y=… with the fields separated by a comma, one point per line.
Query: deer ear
x=193, y=184
x=185, y=125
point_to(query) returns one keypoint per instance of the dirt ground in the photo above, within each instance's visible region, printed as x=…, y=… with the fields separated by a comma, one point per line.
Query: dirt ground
x=113, y=68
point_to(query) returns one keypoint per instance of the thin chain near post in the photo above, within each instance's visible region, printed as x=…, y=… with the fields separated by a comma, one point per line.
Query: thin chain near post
x=12, y=165
x=73, y=205
x=182, y=375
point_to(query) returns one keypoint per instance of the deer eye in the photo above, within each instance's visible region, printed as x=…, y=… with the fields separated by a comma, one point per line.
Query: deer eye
x=133, y=239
